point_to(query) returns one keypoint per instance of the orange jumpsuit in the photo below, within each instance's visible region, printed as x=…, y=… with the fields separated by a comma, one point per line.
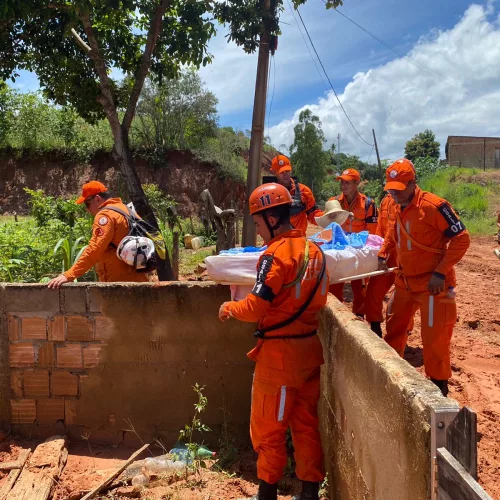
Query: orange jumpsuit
x=286, y=387
x=429, y=221
x=303, y=208
x=108, y=230
x=378, y=286
x=365, y=219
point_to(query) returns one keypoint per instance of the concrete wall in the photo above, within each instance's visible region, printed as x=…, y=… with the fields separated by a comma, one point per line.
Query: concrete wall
x=473, y=152
x=89, y=357
x=375, y=411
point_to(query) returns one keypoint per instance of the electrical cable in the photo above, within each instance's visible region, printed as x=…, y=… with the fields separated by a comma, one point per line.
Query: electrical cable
x=329, y=81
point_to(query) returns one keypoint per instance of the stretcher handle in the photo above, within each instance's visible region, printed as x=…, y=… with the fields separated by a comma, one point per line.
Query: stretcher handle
x=366, y=275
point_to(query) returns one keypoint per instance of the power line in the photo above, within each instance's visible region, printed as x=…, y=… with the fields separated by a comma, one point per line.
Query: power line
x=370, y=155
x=329, y=81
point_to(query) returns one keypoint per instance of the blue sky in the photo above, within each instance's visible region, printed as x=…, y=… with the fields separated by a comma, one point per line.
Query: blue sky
x=378, y=88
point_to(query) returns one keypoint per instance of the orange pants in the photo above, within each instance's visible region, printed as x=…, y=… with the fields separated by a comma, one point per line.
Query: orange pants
x=438, y=316
x=275, y=408
x=358, y=291
x=377, y=288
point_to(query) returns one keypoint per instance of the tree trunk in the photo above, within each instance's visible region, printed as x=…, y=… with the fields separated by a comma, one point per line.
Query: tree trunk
x=123, y=157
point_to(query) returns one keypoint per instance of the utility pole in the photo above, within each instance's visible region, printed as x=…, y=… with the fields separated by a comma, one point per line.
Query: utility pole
x=257, y=137
x=378, y=155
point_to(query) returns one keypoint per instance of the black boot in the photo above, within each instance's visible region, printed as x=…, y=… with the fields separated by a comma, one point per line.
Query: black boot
x=266, y=492
x=442, y=384
x=310, y=491
x=376, y=327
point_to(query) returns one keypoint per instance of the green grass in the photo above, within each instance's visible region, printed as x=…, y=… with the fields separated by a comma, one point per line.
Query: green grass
x=476, y=202
x=189, y=259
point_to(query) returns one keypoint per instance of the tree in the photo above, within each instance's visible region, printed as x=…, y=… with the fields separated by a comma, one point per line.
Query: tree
x=6, y=98
x=307, y=155
x=179, y=114
x=73, y=46
x=423, y=145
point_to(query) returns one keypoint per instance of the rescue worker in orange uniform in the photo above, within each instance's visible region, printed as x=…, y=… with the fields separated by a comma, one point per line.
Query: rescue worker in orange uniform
x=429, y=239
x=365, y=219
x=291, y=288
x=108, y=230
x=378, y=286
x=304, y=207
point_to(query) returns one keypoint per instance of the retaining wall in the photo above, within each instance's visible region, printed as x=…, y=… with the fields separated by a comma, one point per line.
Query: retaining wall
x=375, y=414
x=96, y=359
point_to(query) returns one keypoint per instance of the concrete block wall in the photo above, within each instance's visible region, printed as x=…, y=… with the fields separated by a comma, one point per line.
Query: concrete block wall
x=95, y=359
x=473, y=152
x=375, y=414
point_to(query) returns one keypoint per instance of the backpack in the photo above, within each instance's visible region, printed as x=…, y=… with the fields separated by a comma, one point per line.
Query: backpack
x=140, y=229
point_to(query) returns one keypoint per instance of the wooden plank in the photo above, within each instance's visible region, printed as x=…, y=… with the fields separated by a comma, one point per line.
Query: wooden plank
x=115, y=474
x=454, y=482
x=14, y=474
x=461, y=440
x=41, y=471
x=16, y=464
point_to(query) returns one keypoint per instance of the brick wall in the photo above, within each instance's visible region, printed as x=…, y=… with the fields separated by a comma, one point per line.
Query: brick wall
x=87, y=359
x=473, y=152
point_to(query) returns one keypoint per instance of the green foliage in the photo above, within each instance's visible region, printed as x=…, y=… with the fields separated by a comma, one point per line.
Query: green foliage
x=307, y=155
x=422, y=145
x=70, y=250
x=425, y=167
x=196, y=427
x=225, y=151
x=471, y=201
x=6, y=112
x=178, y=114
x=163, y=205
x=374, y=189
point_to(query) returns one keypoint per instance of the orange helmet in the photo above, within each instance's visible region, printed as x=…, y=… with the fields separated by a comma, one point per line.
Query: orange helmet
x=267, y=196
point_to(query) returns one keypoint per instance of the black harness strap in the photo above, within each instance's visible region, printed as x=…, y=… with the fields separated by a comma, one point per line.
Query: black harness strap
x=261, y=332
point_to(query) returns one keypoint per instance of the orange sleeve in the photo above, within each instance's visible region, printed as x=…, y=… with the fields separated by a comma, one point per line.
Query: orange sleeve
x=383, y=218
x=270, y=278
x=312, y=209
x=389, y=243
x=448, y=222
x=99, y=242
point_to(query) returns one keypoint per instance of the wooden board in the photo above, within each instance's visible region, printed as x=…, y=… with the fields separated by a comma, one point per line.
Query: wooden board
x=42, y=469
x=461, y=440
x=14, y=474
x=16, y=464
x=454, y=482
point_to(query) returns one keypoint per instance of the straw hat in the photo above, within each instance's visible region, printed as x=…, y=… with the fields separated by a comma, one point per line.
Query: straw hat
x=333, y=213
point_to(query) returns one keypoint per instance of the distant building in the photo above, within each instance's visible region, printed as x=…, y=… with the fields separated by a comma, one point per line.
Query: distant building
x=473, y=152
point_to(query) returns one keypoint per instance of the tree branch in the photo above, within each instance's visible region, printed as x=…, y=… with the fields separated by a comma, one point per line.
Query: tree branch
x=140, y=77
x=106, y=99
x=79, y=41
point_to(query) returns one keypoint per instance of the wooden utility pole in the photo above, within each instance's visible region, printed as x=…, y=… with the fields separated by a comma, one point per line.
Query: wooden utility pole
x=378, y=155
x=257, y=137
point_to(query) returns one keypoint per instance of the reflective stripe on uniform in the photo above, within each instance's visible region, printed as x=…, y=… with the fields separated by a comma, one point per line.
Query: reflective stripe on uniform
x=281, y=411
x=431, y=311
x=399, y=234
x=408, y=242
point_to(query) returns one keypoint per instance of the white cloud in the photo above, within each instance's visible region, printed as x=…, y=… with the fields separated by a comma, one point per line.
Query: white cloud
x=399, y=99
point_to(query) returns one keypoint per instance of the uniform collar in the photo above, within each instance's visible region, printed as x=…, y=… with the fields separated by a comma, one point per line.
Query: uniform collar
x=111, y=201
x=415, y=201
x=356, y=198
x=294, y=233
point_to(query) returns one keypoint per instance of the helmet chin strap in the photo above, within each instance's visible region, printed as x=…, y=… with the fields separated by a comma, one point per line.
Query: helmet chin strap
x=268, y=224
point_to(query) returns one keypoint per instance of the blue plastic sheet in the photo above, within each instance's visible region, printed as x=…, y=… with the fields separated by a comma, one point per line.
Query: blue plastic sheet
x=339, y=239
x=237, y=250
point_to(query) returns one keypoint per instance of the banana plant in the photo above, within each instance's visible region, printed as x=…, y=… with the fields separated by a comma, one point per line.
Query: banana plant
x=69, y=250
x=5, y=267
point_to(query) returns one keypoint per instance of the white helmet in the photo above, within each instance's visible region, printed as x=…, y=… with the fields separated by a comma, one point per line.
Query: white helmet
x=135, y=251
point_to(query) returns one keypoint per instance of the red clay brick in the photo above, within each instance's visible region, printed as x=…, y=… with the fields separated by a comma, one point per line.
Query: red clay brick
x=91, y=355
x=36, y=383
x=34, y=328
x=13, y=327
x=79, y=328
x=103, y=328
x=16, y=383
x=46, y=355
x=70, y=356
x=70, y=411
x=21, y=355
x=49, y=411
x=23, y=411
x=56, y=329
x=64, y=384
